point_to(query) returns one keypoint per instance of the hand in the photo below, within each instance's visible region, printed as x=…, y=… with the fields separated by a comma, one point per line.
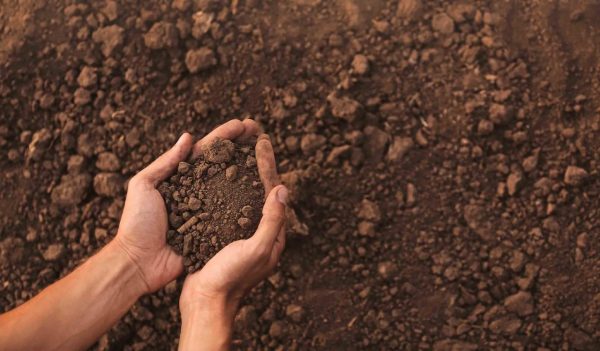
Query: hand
x=143, y=228
x=242, y=264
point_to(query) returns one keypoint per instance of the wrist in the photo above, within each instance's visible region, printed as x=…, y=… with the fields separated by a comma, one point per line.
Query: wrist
x=135, y=279
x=209, y=319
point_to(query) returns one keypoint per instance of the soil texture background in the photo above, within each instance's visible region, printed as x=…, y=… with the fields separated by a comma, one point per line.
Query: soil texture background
x=443, y=158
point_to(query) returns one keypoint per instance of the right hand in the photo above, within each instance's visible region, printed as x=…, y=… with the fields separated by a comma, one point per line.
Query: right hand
x=238, y=267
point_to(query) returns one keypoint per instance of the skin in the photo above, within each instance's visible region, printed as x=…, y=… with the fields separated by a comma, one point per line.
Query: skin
x=74, y=312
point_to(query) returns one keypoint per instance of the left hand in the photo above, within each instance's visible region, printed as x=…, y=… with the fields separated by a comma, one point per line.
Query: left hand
x=143, y=228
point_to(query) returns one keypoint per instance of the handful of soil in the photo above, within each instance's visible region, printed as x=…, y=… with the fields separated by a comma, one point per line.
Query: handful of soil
x=213, y=202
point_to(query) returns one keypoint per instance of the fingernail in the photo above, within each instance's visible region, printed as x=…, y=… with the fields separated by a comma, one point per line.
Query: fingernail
x=180, y=140
x=263, y=137
x=282, y=195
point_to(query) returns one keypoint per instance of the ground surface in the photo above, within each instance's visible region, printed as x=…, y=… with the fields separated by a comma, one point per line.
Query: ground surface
x=447, y=155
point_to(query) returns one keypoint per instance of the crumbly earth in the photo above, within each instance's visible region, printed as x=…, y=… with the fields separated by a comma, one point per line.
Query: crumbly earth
x=443, y=157
x=212, y=202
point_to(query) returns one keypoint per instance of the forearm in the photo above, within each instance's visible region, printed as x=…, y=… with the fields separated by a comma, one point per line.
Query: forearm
x=73, y=312
x=206, y=325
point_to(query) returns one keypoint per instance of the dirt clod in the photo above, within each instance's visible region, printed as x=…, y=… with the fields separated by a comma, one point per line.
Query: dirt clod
x=200, y=59
x=208, y=209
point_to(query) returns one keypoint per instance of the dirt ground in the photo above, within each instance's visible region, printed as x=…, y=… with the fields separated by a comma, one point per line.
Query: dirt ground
x=445, y=156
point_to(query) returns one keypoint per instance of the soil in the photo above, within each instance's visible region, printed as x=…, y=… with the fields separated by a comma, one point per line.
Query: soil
x=213, y=201
x=445, y=157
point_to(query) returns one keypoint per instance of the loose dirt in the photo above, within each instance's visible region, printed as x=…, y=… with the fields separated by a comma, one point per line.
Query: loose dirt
x=212, y=202
x=442, y=155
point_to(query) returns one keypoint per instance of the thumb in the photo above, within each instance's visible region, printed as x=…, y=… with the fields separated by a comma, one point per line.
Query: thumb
x=273, y=218
x=166, y=163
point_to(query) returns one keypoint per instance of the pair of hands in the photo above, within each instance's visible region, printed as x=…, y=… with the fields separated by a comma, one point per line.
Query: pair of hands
x=236, y=268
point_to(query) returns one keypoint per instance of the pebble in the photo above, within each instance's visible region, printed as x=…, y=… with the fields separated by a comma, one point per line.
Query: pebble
x=520, y=303
x=107, y=161
x=360, y=64
x=161, y=35
x=54, y=252
x=575, y=175
x=442, y=23
x=399, y=148
x=108, y=184
x=369, y=210
x=110, y=38
x=197, y=60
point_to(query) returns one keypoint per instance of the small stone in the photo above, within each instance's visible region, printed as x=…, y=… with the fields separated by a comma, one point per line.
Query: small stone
x=181, y=5
x=110, y=38
x=294, y=312
x=369, y=210
x=54, y=252
x=87, y=77
x=360, y=64
x=183, y=167
x=399, y=148
x=108, y=184
x=366, y=228
x=219, y=151
x=82, y=97
x=311, y=142
x=387, y=269
x=231, y=172
x=513, y=182
x=194, y=204
x=197, y=60
x=409, y=9
x=344, y=107
x=245, y=223
x=202, y=23
x=107, y=161
x=247, y=211
x=575, y=175
x=485, y=127
x=500, y=114
x=38, y=145
x=161, y=35
x=442, y=23
x=71, y=190
x=520, y=303
x=277, y=329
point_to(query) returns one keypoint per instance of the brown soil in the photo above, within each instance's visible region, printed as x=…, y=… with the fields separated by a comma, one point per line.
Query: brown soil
x=213, y=202
x=447, y=154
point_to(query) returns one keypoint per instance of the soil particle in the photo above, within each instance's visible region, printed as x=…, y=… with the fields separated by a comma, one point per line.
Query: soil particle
x=11, y=251
x=477, y=220
x=208, y=208
x=505, y=325
x=108, y=184
x=38, y=145
x=454, y=345
x=87, y=77
x=520, y=303
x=399, y=148
x=344, y=107
x=197, y=60
x=360, y=64
x=485, y=127
x=311, y=142
x=295, y=312
x=369, y=210
x=202, y=23
x=109, y=38
x=575, y=175
x=181, y=5
x=109, y=162
x=366, y=228
x=500, y=114
x=387, y=269
x=375, y=143
x=72, y=189
x=409, y=9
x=513, y=183
x=161, y=35
x=54, y=252
x=82, y=97
x=442, y=23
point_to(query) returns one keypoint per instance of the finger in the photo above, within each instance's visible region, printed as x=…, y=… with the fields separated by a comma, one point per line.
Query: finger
x=278, y=247
x=229, y=130
x=265, y=160
x=273, y=219
x=251, y=130
x=166, y=163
